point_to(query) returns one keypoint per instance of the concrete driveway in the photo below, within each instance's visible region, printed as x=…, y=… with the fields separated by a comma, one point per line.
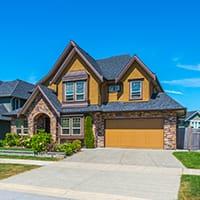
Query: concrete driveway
x=138, y=157
x=103, y=174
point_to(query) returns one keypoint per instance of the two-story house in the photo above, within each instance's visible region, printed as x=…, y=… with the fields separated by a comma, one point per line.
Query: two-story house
x=124, y=97
x=13, y=95
x=192, y=119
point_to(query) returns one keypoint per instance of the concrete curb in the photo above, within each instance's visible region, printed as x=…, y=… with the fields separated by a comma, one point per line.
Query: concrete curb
x=26, y=162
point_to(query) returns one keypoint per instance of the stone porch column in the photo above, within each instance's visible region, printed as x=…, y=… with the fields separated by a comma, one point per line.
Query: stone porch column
x=170, y=132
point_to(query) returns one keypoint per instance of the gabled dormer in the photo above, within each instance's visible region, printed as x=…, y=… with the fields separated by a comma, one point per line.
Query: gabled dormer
x=80, y=80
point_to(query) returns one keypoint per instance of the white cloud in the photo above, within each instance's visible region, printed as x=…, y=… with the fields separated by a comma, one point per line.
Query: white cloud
x=174, y=92
x=190, y=82
x=189, y=67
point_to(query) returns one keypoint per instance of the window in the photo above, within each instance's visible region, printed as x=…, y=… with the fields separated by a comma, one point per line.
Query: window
x=65, y=126
x=80, y=90
x=136, y=89
x=22, y=127
x=75, y=91
x=76, y=127
x=71, y=125
x=16, y=103
x=114, y=88
x=69, y=91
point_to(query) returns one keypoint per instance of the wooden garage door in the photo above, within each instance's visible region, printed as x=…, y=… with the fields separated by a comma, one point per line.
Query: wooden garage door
x=134, y=133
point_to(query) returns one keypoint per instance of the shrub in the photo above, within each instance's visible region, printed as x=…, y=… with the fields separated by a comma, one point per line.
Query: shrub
x=68, y=149
x=61, y=147
x=12, y=139
x=2, y=143
x=89, y=136
x=25, y=141
x=77, y=145
x=40, y=141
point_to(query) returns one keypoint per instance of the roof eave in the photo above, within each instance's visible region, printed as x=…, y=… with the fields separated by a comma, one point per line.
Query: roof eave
x=68, y=59
x=135, y=58
x=26, y=105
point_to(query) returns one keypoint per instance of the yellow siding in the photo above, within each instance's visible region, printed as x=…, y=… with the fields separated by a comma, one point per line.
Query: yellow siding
x=93, y=85
x=53, y=87
x=134, y=72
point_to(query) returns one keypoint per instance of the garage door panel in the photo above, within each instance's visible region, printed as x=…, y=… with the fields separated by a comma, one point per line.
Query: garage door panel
x=134, y=124
x=133, y=137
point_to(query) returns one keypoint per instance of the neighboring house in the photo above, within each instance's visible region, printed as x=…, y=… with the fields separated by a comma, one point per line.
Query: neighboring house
x=125, y=99
x=13, y=95
x=192, y=119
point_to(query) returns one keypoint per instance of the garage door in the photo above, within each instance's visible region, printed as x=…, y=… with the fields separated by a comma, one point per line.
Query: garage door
x=134, y=133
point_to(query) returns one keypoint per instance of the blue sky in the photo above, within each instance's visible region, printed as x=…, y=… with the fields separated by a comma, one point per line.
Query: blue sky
x=164, y=34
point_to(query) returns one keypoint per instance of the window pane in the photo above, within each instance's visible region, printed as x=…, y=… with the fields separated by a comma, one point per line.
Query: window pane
x=25, y=131
x=135, y=89
x=80, y=97
x=76, y=122
x=65, y=131
x=80, y=87
x=69, y=91
x=114, y=88
x=65, y=122
x=19, y=123
x=76, y=131
x=19, y=131
x=25, y=124
x=80, y=90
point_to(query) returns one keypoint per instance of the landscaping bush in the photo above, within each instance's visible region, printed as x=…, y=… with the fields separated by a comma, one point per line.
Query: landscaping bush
x=25, y=141
x=1, y=143
x=61, y=147
x=76, y=145
x=89, y=136
x=41, y=141
x=69, y=148
x=12, y=139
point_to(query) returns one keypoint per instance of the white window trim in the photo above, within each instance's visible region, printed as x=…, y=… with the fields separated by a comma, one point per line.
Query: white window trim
x=195, y=124
x=140, y=91
x=84, y=91
x=22, y=130
x=74, y=92
x=71, y=128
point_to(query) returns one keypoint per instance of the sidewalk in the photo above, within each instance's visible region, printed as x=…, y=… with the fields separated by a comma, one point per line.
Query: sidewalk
x=26, y=162
x=191, y=171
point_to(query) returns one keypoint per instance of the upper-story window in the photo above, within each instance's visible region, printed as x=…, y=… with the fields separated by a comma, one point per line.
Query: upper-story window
x=136, y=89
x=114, y=88
x=75, y=91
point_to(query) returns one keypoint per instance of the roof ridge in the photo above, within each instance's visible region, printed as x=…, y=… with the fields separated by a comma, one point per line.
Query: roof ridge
x=114, y=56
x=15, y=87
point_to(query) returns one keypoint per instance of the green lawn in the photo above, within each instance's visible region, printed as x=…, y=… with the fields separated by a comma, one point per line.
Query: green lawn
x=30, y=157
x=189, y=159
x=189, y=188
x=15, y=148
x=7, y=170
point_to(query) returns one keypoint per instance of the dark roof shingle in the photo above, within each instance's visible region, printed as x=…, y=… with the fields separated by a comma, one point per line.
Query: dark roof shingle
x=160, y=101
x=112, y=66
x=52, y=97
x=17, y=88
x=2, y=111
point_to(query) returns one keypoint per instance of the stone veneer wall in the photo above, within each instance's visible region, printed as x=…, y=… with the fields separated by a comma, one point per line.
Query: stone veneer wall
x=39, y=106
x=170, y=120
